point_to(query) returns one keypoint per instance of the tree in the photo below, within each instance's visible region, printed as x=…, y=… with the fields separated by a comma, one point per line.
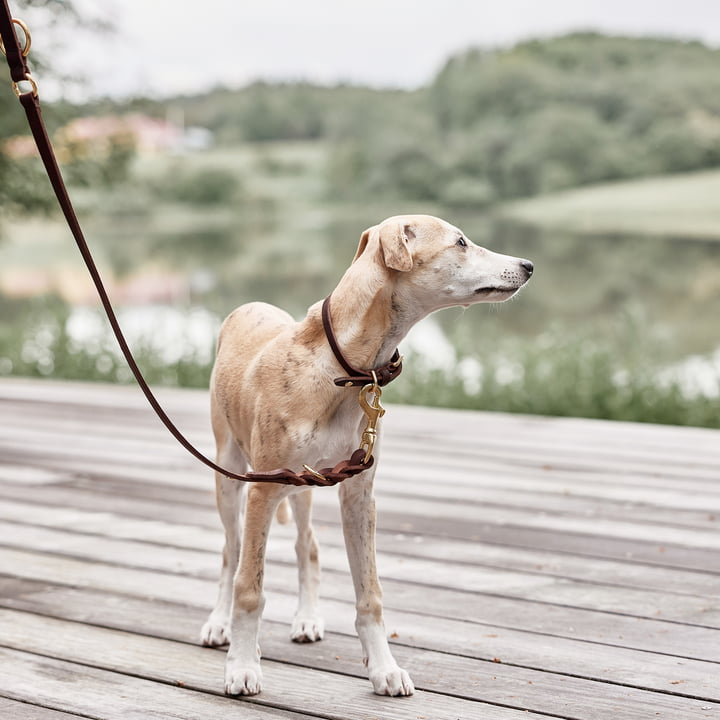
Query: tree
x=22, y=184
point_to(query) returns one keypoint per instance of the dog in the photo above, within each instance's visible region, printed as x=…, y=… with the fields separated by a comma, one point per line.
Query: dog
x=274, y=404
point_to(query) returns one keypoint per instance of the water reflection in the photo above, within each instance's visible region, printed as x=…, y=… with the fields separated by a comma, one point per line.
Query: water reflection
x=655, y=300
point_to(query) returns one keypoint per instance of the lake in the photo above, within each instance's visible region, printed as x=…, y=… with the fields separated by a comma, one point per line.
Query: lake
x=653, y=300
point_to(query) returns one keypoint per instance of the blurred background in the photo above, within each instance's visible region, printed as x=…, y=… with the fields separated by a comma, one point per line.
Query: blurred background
x=238, y=154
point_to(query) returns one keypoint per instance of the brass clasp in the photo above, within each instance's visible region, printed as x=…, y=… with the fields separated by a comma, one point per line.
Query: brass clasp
x=373, y=411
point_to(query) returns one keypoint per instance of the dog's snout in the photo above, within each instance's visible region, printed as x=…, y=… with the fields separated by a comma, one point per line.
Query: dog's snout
x=529, y=267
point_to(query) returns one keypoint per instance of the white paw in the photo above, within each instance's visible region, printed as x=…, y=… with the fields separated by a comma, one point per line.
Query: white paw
x=242, y=678
x=215, y=632
x=307, y=629
x=392, y=681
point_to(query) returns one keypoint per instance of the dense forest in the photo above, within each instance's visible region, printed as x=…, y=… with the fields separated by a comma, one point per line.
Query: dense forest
x=541, y=116
x=493, y=124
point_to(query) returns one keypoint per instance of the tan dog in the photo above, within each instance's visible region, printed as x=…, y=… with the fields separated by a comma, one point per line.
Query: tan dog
x=274, y=405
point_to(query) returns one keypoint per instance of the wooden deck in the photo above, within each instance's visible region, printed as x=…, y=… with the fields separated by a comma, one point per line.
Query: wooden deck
x=532, y=568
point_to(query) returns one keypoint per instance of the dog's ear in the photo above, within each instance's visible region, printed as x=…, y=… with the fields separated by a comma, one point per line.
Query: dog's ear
x=393, y=240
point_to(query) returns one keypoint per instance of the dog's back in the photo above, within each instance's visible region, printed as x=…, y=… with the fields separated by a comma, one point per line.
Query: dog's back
x=244, y=336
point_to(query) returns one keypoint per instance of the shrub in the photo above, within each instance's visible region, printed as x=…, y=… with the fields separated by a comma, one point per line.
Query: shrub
x=204, y=187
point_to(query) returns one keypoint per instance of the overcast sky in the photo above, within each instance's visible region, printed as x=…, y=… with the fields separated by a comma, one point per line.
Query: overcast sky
x=163, y=47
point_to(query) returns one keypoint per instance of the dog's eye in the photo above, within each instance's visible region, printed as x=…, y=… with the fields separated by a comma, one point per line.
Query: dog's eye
x=461, y=242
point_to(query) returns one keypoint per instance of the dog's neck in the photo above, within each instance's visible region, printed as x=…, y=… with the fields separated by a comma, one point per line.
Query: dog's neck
x=370, y=317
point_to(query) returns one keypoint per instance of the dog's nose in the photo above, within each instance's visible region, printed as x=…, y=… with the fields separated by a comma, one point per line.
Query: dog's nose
x=528, y=266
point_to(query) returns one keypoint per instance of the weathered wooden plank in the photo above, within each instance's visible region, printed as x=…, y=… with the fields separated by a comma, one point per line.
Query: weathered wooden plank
x=659, y=553
x=612, y=500
x=595, y=525
x=287, y=687
x=198, y=555
x=533, y=650
x=568, y=435
x=468, y=578
x=653, y=635
x=15, y=710
x=22, y=474
x=192, y=405
x=518, y=487
x=651, y=542
x=87, y=447
x=457, y=452
x=445, y=459
x=403, y=479
x=493, y=536
x=456, y=514
x=94, y=693
x=630, y=528
x=471, y=679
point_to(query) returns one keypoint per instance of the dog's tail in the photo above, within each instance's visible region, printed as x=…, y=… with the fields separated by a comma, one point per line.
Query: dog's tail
x=284, y=513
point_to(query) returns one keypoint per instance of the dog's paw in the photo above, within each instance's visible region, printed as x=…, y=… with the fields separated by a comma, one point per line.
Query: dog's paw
x=242, y=678
x=392, y=681
x=215, y=632
x=307, y=629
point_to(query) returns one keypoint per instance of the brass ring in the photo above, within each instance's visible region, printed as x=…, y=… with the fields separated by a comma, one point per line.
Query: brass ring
x=28, y=38
x=398, y=362
x=28, y=78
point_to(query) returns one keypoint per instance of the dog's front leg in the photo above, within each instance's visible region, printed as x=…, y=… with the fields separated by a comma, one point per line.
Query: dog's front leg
x=242, y=667
x=230, y=498
x=357, y=504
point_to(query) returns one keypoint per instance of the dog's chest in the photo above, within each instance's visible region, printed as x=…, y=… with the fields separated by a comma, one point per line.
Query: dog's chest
x=338, y=435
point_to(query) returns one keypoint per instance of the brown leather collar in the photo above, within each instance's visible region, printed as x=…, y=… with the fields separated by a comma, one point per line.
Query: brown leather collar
x=355, y=378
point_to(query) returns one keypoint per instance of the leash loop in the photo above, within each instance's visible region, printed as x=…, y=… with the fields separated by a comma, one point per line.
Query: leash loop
x=28, y=38
x=29, y=79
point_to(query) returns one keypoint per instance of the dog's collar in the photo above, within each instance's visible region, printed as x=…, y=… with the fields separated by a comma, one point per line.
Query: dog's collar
x=355, y=378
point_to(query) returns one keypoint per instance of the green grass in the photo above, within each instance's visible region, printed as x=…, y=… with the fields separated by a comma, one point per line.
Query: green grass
x=548, y=375
x=683, y=205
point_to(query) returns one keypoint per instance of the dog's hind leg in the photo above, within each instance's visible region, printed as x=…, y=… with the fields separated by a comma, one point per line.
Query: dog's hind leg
x=357, y=504
x=307, y=624
x=230, y=500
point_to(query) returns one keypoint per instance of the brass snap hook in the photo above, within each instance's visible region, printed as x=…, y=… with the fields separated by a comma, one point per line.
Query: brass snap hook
x=373, y=412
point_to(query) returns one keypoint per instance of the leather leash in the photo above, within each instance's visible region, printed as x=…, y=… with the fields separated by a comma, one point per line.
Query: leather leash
x=360, y=460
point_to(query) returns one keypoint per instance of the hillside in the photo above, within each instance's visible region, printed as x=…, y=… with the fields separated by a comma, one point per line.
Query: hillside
x=542, y=116
x=684, y=205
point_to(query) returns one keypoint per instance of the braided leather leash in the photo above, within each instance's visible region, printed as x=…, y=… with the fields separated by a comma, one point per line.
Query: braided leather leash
x=360, y=460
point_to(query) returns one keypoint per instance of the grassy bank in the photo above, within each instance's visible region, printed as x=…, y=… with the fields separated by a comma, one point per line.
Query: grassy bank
x=551, y=374
x=684, y=205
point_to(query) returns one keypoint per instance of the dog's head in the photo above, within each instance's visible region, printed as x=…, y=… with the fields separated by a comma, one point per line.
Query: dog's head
x=437, y=263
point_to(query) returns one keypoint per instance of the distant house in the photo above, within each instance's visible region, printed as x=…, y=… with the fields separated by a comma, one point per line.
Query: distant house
x=147, y=135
